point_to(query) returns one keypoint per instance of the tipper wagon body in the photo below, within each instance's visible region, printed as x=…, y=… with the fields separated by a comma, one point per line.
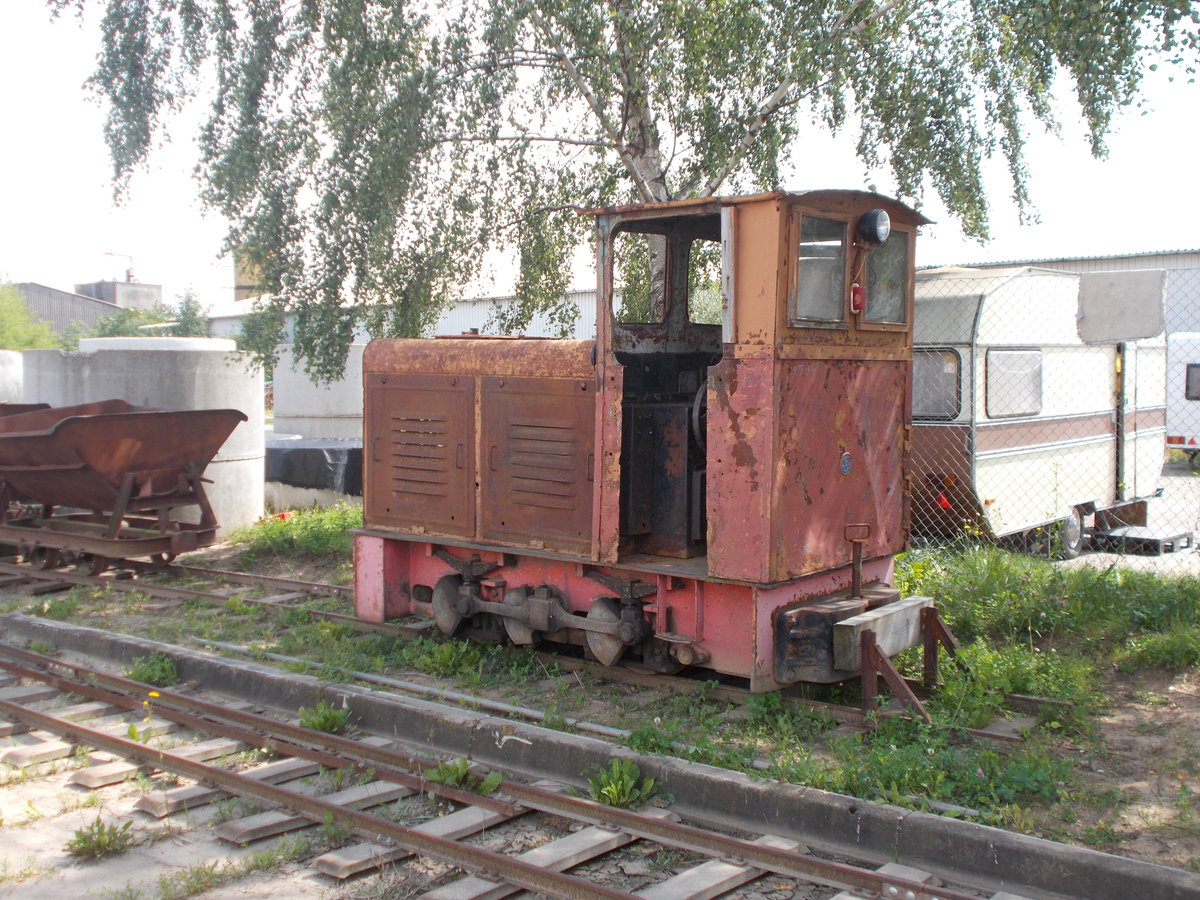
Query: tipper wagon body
x=104, y=480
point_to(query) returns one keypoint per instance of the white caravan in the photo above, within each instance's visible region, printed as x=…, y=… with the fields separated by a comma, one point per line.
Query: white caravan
x=1183, y=393
x=1038, y=400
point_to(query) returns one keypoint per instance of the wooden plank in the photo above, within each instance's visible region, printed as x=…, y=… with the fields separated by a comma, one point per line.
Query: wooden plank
x=29, y=693
x=115, y=772
x=50, y=748
x=163, y=803
x=362, y=857
x=897, y=627
x=712, y=878
x=556, y=856
x=276, y=822
x=71, y=713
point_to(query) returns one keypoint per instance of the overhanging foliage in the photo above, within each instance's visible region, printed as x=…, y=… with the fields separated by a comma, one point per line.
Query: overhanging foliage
x=367, y=154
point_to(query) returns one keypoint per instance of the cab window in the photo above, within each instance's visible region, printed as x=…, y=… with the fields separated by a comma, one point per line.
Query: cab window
x=887, y=281
x=821, y=273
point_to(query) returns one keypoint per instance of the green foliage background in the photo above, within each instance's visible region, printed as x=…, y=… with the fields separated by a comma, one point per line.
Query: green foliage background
x=19, y=330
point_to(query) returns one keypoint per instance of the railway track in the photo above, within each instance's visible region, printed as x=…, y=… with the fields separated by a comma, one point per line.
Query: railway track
x=383, y=773
x=285, y=593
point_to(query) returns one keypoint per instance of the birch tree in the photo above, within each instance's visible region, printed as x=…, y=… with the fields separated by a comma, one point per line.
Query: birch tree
x=367, y=153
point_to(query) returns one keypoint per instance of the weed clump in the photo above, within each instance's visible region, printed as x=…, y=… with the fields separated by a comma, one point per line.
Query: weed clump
x=620, y=784
x=457, y=774
x=324, y=717
x=100, y=839
x=157, y=669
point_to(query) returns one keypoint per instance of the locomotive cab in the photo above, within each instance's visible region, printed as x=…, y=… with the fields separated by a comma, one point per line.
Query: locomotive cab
x=762, y=345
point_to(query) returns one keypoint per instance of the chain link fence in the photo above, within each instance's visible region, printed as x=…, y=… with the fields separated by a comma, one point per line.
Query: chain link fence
x=1059, y=411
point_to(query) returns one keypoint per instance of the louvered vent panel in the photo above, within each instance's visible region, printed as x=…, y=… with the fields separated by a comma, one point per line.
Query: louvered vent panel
x=421, y=455
x=544, y=460
x=537, y=484
x=419, y=458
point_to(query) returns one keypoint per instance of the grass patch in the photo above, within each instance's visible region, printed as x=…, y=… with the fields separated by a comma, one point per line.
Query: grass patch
x=324, y=717
x=987, y=593
x=311, y=533
x=475, y=665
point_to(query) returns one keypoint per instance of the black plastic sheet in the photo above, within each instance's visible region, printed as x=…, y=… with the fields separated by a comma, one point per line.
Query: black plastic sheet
x=333, y=464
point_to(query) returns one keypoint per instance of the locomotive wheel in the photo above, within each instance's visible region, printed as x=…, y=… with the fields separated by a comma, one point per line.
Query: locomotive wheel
x=518, y=632
x=44, y=558
x=607, y=648
x=445, y=604
x=90, y=564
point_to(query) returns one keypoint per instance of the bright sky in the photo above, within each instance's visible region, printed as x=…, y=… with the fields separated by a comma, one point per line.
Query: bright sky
x=59, y=225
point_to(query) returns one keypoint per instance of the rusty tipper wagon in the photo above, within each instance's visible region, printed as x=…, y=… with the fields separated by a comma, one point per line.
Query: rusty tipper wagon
x=101, y=481
x=706, y=488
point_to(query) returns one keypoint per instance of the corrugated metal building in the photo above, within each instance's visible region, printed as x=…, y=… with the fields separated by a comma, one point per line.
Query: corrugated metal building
x=60, y=308
x=479, y=312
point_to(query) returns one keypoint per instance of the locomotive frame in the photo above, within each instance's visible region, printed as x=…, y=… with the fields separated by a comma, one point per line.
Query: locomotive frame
x=714, y=495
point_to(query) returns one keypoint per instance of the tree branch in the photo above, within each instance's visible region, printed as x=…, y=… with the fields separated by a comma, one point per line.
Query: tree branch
x=549, y=139
x=582, y=87
x=779, y=97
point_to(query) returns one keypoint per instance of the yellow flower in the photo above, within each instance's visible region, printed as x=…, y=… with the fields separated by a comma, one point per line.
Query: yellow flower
x=153, y=694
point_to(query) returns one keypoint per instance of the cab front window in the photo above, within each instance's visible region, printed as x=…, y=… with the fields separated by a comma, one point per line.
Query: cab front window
x=819, y=297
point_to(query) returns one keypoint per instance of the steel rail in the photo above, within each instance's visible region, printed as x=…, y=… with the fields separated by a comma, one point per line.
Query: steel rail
x=803, y=866
x=255, y=731
x=311, y=587
x=474, y=859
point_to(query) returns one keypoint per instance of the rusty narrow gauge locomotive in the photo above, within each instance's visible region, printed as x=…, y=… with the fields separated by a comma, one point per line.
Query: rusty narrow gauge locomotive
x=714, y=480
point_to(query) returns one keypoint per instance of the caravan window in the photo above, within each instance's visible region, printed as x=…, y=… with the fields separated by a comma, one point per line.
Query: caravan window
x=1014, y=383
x=936, y=384
x=1191, y=388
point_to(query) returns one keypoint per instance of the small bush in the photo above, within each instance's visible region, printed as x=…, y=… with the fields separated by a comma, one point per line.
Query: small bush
x=324, y=717
x=100, y=839
x=157, y=669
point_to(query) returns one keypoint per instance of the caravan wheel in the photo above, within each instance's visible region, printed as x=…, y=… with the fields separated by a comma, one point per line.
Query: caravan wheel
x=1069, y=536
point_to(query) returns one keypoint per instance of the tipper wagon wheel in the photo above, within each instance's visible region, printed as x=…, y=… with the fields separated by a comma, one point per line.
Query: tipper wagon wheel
x=44, y=558
x=90, y=564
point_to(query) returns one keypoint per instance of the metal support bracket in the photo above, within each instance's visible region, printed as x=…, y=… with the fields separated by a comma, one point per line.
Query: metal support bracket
x=935, y=633
x=876, y=663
